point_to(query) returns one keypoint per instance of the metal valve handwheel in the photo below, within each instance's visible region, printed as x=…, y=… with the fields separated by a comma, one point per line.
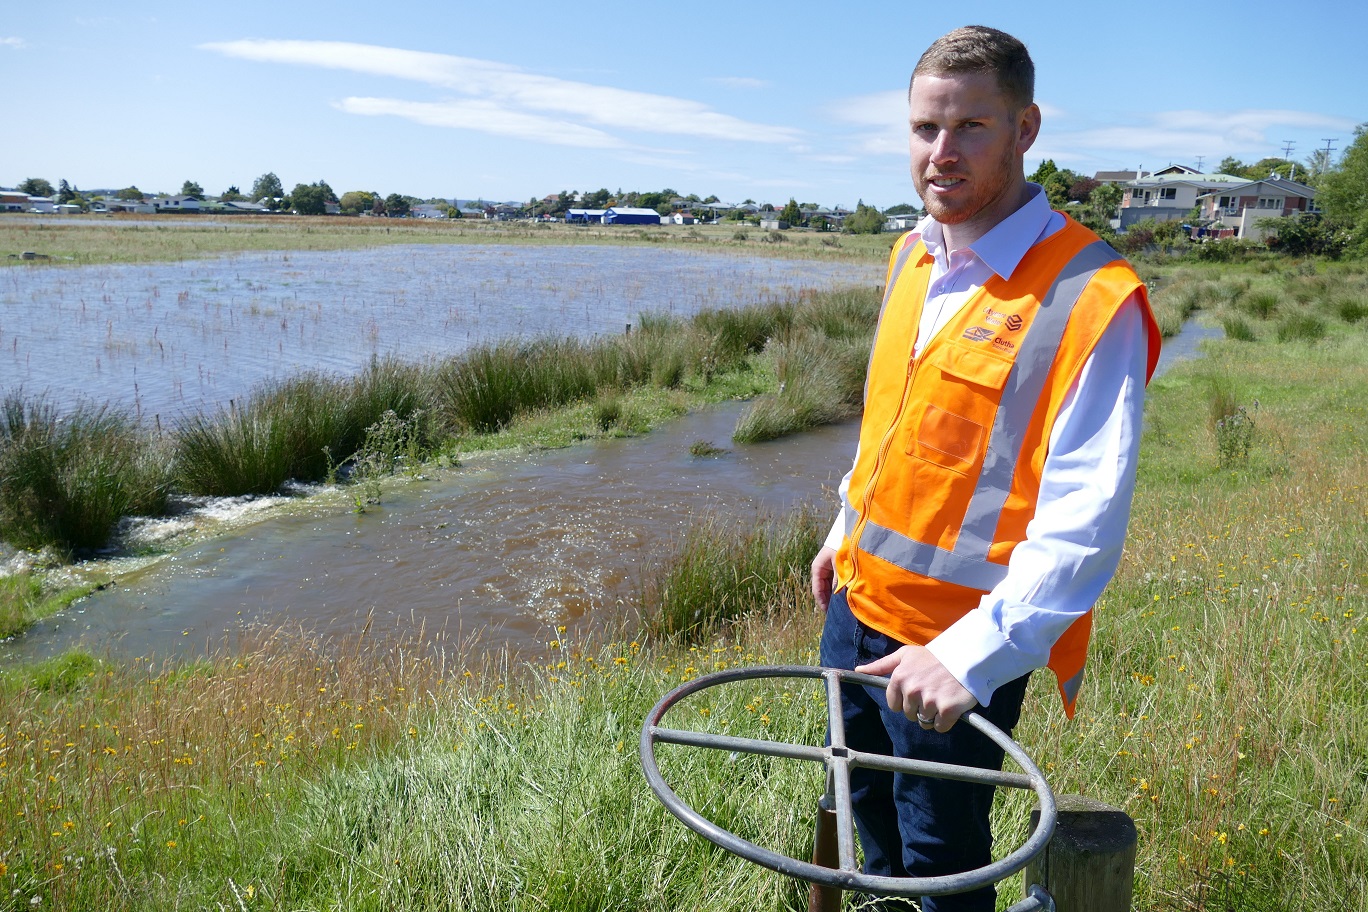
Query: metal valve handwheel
x=838, y=760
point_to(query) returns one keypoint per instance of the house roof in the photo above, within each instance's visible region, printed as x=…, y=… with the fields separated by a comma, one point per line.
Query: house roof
x=1118, y=175
x=1196, y=180
x=632, y=210
x=1280, y=184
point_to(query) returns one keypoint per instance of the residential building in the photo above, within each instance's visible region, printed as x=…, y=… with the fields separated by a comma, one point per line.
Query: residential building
x=176, y=203
x=1170, y=194
x=1243, y=206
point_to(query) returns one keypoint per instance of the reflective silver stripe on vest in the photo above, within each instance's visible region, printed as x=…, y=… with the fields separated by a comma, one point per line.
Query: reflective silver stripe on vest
x=1071, y=686
x=968, y=564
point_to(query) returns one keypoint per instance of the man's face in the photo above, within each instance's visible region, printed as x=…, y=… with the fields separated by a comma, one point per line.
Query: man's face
x=967, y=146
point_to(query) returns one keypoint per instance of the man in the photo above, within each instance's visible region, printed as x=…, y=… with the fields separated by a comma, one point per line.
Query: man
x=991, y=489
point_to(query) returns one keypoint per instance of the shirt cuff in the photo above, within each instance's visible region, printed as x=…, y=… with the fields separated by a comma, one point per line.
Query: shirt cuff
x=980, y=656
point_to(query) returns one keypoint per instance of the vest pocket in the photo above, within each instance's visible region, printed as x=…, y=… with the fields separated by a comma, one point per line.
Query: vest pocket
x=960, y=391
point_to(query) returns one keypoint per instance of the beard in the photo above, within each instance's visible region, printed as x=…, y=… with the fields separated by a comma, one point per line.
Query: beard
x=988, y=184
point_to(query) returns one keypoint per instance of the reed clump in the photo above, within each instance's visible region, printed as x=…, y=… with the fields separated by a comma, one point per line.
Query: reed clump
x=67, y=478
x=723, y=571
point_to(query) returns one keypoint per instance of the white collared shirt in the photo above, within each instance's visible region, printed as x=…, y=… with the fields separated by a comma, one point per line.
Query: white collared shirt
x=1073, y=543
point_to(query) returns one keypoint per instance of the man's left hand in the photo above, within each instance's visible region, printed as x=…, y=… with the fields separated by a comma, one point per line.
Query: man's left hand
x=921, y=688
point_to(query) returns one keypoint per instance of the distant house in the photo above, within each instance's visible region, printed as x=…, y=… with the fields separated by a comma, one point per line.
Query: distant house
x=584, y=216
x=683, y=218
x=141, y=207
x=773, y=222
x=903, y=222
x=429, y=211
x=14, y=201
x=242, y=206
x=628, y=215
x=1170, y=194
x=1242, y=207
x=44, y=204
x=68, y=209
x=176, y=203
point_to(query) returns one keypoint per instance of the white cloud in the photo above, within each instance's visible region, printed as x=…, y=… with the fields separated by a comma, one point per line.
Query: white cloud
x=1175, y=135
x=485, y=117
x=741, y=82
x=513, y=91
x=16, y=43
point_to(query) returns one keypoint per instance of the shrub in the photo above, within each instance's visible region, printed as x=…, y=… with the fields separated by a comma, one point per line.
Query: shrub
x=66, y=480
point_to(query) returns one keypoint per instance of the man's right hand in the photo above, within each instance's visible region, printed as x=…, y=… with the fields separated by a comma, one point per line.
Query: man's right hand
x=823, y=576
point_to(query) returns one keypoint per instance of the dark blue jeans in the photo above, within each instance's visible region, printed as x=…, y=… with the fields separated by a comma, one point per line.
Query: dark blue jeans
x=940, y=826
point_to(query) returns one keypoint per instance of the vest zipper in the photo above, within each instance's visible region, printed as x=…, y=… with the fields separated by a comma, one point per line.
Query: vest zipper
x=879, y=463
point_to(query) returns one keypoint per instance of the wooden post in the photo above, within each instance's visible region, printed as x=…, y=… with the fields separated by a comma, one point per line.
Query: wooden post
x=1089, y=865
x=826, y=853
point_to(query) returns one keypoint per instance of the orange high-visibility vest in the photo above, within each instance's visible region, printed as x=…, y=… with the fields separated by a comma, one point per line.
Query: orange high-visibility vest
x=953, y=441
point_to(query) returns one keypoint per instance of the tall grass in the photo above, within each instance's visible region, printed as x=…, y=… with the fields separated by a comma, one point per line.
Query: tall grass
x=725, y=570
x=1225, y=709
x=67, y=479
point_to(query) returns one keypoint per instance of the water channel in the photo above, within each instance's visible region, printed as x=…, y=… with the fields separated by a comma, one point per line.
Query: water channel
x=508, y=547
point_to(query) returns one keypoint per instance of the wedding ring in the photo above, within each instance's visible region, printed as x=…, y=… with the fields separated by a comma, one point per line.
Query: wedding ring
x=925, y=722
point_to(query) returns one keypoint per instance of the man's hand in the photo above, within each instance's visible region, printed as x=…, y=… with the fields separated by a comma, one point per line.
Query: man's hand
x=921, y=688
x=823, y=576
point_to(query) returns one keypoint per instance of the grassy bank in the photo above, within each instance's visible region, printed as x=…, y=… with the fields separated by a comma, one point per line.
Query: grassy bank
x=89, y=240
x=1224, y=709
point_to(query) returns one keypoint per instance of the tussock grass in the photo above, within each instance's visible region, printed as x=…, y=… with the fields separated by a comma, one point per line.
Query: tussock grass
x=67, y=479
x=724, y=570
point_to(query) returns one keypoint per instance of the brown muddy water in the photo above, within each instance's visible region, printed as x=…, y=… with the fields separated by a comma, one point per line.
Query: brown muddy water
x=507, y=548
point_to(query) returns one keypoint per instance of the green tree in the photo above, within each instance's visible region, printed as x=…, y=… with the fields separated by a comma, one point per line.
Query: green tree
x=354, y=202
x=1271, y=165
x=902, y=209
x=791, y=213
x=190, y=188
x=1231, y=165
x=309, y=199
x=36, y=186
x=397, y=206
x=1343, y=192
x=64, y=192
x=231, y=194
x=268, y=186
x=129, y=193
x=865, y=220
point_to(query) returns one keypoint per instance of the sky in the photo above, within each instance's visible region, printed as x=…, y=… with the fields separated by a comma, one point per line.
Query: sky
x=742, y=100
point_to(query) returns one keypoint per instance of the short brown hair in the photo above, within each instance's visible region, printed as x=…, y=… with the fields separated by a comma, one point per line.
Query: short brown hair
x=980, y=49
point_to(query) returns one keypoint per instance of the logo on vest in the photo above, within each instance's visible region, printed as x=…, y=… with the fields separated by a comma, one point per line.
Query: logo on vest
x=978, y=334
x=998, y=318
x=1002, y=344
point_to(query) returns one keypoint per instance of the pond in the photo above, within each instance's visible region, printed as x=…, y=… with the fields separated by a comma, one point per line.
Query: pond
x=165, y=340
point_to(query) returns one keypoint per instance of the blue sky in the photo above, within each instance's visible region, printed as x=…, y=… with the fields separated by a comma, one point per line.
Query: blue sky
x=520, y=99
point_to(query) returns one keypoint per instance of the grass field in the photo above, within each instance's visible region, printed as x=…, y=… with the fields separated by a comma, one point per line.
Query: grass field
x=1225, y=707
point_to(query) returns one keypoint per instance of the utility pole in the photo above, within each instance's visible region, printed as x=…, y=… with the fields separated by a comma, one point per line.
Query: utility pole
x=1287, y=154
x=1199, y=162
x=1329, y=149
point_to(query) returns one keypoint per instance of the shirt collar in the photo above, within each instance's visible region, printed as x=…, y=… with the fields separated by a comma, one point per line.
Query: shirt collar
x=1003, y=247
